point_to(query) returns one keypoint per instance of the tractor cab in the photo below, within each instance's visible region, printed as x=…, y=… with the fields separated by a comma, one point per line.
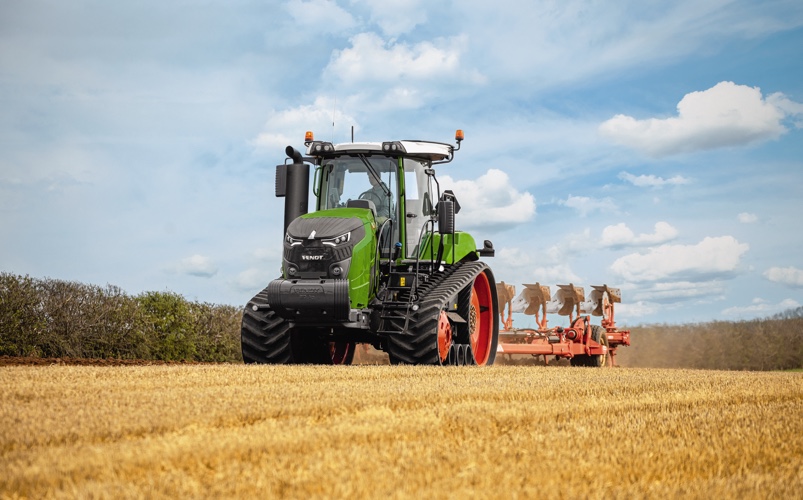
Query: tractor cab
x=394, y=180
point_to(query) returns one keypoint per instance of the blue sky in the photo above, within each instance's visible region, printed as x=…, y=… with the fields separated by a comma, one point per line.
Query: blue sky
x=653, y=146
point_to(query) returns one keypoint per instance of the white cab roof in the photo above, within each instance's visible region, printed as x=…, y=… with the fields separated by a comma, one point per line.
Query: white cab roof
x=435, y=151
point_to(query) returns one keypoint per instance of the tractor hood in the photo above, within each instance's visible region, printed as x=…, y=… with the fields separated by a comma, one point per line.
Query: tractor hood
x=331, y=224
x=335, y=250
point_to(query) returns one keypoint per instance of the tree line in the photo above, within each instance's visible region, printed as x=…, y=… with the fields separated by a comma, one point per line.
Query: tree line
x=54, y=318
x=774, y=343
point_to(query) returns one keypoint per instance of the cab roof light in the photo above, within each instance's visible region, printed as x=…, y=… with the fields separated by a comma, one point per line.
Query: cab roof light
x=393, y=147
x=308, y=138
x=458, y=136
x=321, y=148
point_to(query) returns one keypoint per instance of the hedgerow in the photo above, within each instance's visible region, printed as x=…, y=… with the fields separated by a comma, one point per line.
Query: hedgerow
x=55, y=318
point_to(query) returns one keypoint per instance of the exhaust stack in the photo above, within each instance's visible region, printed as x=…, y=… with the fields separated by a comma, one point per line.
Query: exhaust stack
x=292, y=183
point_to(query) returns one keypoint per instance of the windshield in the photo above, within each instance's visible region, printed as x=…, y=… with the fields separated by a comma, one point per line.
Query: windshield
x=349, y=178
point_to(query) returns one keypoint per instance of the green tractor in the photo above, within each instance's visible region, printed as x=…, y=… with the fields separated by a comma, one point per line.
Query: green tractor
x=378, y=262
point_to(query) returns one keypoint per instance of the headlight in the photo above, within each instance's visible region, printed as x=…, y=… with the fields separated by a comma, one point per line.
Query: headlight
x=343, y=238
x=290, y=240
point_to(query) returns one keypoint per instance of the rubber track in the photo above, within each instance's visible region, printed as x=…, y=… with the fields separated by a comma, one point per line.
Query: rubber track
x=265, y=337
x=413, y=340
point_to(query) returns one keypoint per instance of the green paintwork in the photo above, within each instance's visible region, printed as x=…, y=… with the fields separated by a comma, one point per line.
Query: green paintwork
x=362, y=257
x=464, y=245
x=343, y=213
x=363, y=261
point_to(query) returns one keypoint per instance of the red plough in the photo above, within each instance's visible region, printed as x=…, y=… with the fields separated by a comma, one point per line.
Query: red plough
x=582, y=343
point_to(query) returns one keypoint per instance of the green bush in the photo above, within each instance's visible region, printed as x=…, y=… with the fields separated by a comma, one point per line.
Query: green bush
x=54, y=318
x=169, y=325
x=23, y=324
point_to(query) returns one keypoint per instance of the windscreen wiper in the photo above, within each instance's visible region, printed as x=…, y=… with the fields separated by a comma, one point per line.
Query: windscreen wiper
x=374, y=174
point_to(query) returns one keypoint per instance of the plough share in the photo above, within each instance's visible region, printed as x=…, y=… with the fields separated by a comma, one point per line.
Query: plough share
x=581, y=342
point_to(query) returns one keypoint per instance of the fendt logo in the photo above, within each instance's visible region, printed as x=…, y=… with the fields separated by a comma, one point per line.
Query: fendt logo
x=312, y=257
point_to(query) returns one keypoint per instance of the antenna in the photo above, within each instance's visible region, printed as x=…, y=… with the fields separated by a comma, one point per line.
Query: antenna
x=352, y=133
x=334, y=109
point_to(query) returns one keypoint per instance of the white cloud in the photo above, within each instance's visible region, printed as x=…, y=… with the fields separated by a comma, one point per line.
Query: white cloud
x=372, y=60
x=585, y=205
x=559, y=274
x=197, y=265
x=515, y=266
x=571, y=244
x=630, y=310
x=490, y=201
x=287, y=127
x=514, y=257
x=653, y=181
x=724, y=115
x=790, y=108
x=790, y=276
x=322, y=16
x=747, y=218
x=712, y=257
x=621, y=235
x=396, y=17
x=760, y=307
x=254, y=279
x=264, y=264
x=705, y=291
x=548, y=44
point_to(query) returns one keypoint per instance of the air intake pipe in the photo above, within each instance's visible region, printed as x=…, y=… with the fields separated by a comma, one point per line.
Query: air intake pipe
x=292, y=183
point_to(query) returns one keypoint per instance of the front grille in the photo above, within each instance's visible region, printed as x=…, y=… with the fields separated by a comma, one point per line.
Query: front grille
x=312, y=259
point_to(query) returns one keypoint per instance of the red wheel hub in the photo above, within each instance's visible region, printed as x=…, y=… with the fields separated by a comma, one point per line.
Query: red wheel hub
x=444, y=336
x=340, y=352
x=481, y=319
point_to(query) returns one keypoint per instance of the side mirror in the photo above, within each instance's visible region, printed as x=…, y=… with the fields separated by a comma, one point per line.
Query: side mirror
x=450, y=196
x=281, y=180
x=487, y=249
x=446, y=217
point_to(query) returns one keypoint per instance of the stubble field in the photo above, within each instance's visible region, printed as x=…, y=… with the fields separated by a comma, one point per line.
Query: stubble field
x=389, y=431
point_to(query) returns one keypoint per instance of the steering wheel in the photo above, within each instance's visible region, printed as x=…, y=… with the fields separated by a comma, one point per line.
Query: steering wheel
x=371, y=196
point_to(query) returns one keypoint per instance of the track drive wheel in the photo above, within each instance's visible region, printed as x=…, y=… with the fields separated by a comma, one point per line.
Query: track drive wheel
x=268, y=339
x=264, y=336
x=478, y=305
x=422, y=339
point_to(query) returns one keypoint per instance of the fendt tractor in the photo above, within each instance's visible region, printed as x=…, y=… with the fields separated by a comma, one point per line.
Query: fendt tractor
x=377, y=262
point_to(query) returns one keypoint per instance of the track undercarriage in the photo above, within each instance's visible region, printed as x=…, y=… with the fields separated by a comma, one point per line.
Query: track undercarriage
x=431, y=317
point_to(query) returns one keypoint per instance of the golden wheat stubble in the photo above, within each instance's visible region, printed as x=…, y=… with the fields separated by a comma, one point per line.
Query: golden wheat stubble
x=398, y=431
